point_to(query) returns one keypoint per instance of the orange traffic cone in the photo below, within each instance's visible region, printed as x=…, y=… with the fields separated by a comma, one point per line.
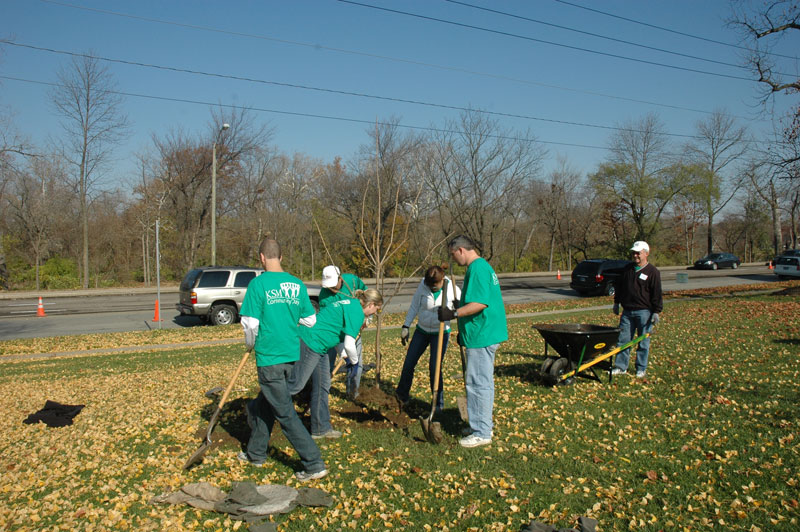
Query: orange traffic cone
x=40, y=309
x=156, y=315
x=558, y=275
x=771, y=267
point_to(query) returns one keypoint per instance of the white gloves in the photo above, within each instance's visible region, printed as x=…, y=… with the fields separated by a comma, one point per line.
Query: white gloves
x=250, y=326
x=404, y=335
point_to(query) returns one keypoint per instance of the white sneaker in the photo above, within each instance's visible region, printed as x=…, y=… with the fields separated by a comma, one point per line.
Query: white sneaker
x=617, y=371
x=641, y=374
x=305, y=476
x=244, y=457
x=331, y=434
x=474, y=441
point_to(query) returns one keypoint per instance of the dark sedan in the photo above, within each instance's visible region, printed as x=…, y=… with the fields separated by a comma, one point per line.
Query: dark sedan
x=715, y=261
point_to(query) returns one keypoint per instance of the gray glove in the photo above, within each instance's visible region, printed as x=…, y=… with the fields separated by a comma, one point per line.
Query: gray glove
x=404, y=335
x=249, y=338
x=616, y=309
x=654, y=319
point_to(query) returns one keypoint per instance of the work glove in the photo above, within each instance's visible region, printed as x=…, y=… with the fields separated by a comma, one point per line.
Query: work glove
x=616, y=309
x=654, y=319
x=351, y=360
x=250, y=338
x=445, y=313
x=404, y=335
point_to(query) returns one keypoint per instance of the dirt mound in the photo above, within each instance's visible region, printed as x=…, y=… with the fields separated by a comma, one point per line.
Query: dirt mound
x=376, y=409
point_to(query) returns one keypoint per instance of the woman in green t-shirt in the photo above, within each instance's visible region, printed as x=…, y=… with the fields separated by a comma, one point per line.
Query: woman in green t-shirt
x=339, y=322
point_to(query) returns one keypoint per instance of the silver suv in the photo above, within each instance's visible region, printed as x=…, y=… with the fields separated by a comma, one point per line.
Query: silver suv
x=215, y=293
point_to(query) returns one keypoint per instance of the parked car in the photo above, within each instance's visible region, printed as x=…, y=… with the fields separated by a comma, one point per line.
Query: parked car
x=785, y=253
x=787, y=266
x=597, y=276
x=216, y=293
x=715, y=261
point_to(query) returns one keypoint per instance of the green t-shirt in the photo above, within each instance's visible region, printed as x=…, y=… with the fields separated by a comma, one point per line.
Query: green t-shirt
x=487, y=327
x=334, y=321
x=351, y=282
x=278, y=300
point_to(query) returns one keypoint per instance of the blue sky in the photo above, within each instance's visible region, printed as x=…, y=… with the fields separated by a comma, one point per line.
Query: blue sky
x=330, y=45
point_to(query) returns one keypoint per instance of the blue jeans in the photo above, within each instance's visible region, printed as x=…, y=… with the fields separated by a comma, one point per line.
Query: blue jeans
x=634, y=323
x=274, y=403
x=480, y=389
x=314, y=366
x=420, y=341
x=353, y=378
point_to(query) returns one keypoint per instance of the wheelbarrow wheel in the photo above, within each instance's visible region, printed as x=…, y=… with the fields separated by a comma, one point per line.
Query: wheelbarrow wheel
x=545, y=369
x=559, y=367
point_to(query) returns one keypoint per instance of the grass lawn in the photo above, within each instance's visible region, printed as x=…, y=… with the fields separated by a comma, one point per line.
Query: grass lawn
x=708, y=441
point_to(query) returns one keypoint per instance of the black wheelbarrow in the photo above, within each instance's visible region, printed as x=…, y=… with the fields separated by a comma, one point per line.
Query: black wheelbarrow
x=581, y=347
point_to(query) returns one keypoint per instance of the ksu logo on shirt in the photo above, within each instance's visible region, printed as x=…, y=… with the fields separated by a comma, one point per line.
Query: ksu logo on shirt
x=288, y=293
x=494, y=279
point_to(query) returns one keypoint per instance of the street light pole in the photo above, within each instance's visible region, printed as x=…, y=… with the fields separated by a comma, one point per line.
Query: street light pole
x=214, y=196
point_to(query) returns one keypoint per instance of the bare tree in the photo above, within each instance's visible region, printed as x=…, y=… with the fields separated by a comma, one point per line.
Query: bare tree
x=184, y=170
x=93, y=123
x=476, y=167
x=32, y=205
x=720, y=144
x=12, y=147
x=764, y=26
x=554, y=209
x=390, y=194
x=765, y=183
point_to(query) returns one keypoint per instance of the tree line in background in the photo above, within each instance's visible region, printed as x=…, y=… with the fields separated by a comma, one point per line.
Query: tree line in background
x=388, y=210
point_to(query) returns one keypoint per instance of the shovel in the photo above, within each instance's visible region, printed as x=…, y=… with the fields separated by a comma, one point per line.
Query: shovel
x=433, y=429
x=198, y=454
x=461, y=401
x=337, y=366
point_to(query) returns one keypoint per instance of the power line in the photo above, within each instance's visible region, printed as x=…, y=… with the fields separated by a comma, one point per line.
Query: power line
x=543, y=41
x=305, y=115
x=375, y=56
x=662, y=28
x=597, y=35
x=331, y=91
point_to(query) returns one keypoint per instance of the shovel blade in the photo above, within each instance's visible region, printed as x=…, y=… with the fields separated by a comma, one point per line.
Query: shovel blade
x=425, y=424
x=462, y=408
x=435, y=431
x=197, y=457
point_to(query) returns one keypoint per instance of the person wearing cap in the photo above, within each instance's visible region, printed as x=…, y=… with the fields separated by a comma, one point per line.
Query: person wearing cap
x=482, y=327
x=338, y=323
x=434, y=290
x=638, y=291
x=337, y=286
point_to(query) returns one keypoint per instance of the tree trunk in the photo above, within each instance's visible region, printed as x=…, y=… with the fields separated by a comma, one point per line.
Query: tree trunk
x=777, y=235
x=710, y=240
x=3, y=267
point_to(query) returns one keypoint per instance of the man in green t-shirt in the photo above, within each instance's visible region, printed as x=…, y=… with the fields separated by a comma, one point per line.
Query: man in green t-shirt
x=481, y=328
x=337, y=286
x=275, y=303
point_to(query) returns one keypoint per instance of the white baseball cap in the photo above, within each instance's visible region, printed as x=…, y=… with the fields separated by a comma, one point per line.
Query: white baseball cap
x=640, y=245
x=330, y=276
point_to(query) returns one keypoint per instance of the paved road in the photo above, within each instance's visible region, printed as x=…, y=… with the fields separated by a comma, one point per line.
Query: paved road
x=114, y=310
